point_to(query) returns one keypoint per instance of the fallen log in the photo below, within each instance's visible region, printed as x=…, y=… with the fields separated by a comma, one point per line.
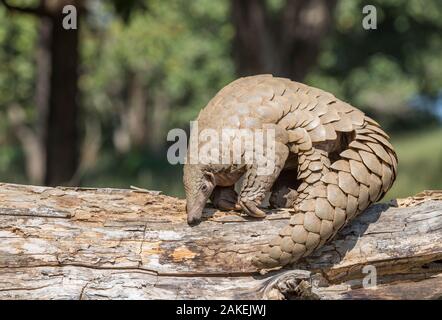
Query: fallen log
x=86, y=243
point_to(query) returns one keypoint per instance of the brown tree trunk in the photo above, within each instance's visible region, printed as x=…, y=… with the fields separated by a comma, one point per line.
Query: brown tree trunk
x=42, y=93
x=136, y=113
x=62, y=134
x=158, y=122
x=286, y=43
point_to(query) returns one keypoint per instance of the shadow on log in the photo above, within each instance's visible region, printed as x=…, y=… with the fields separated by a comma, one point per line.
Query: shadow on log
x=79, y=243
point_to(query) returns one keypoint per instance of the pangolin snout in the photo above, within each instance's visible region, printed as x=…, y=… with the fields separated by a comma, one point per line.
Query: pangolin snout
x=193, y=221
x=194, y=213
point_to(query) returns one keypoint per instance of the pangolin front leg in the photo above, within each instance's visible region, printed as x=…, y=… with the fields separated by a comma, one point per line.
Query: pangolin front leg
x=225, y=198
x=255, y=186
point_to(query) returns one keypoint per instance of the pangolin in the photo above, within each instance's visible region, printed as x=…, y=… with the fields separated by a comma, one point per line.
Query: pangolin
x=332, y=161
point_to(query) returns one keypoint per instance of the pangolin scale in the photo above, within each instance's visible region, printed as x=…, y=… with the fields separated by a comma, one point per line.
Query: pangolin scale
x=332, y=162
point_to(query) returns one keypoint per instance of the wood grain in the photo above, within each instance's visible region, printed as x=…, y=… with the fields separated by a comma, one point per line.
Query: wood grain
x=72, y=243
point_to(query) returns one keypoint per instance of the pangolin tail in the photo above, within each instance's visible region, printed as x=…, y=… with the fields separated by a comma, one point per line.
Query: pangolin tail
x=332, y=193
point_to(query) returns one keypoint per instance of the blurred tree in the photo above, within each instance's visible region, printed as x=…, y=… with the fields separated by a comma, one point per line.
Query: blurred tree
x=17, y=73
x=168, y=63
x=146, y=76
x=56, y=89
x=388, y=70
x=53, y=149
x=140, y=75
x=400, y=59
x=279, y=37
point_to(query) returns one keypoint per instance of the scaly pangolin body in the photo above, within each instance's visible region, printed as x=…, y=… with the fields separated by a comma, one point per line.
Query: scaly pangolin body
x=331, y=162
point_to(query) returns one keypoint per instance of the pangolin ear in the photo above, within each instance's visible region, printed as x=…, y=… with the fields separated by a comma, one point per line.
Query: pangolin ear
x=210, y=176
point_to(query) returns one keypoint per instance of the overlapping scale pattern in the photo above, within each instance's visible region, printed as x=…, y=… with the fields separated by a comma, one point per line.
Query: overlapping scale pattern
x=339, y=178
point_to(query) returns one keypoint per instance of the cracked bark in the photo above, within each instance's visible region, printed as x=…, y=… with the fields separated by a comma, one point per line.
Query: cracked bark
x=71, y=243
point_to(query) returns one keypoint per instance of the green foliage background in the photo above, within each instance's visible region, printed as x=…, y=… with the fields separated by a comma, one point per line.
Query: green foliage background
x=182, y=50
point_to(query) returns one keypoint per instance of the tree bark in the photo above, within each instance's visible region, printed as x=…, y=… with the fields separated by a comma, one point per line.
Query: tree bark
x=73, y=243
x=286, y=43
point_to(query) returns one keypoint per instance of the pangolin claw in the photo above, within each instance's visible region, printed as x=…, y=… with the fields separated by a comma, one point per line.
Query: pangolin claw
x=251, y=209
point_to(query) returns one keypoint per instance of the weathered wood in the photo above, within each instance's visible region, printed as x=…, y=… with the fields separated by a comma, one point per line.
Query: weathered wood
x=71, y=243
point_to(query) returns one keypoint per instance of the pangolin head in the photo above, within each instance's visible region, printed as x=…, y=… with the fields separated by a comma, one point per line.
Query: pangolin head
x=198, y=184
